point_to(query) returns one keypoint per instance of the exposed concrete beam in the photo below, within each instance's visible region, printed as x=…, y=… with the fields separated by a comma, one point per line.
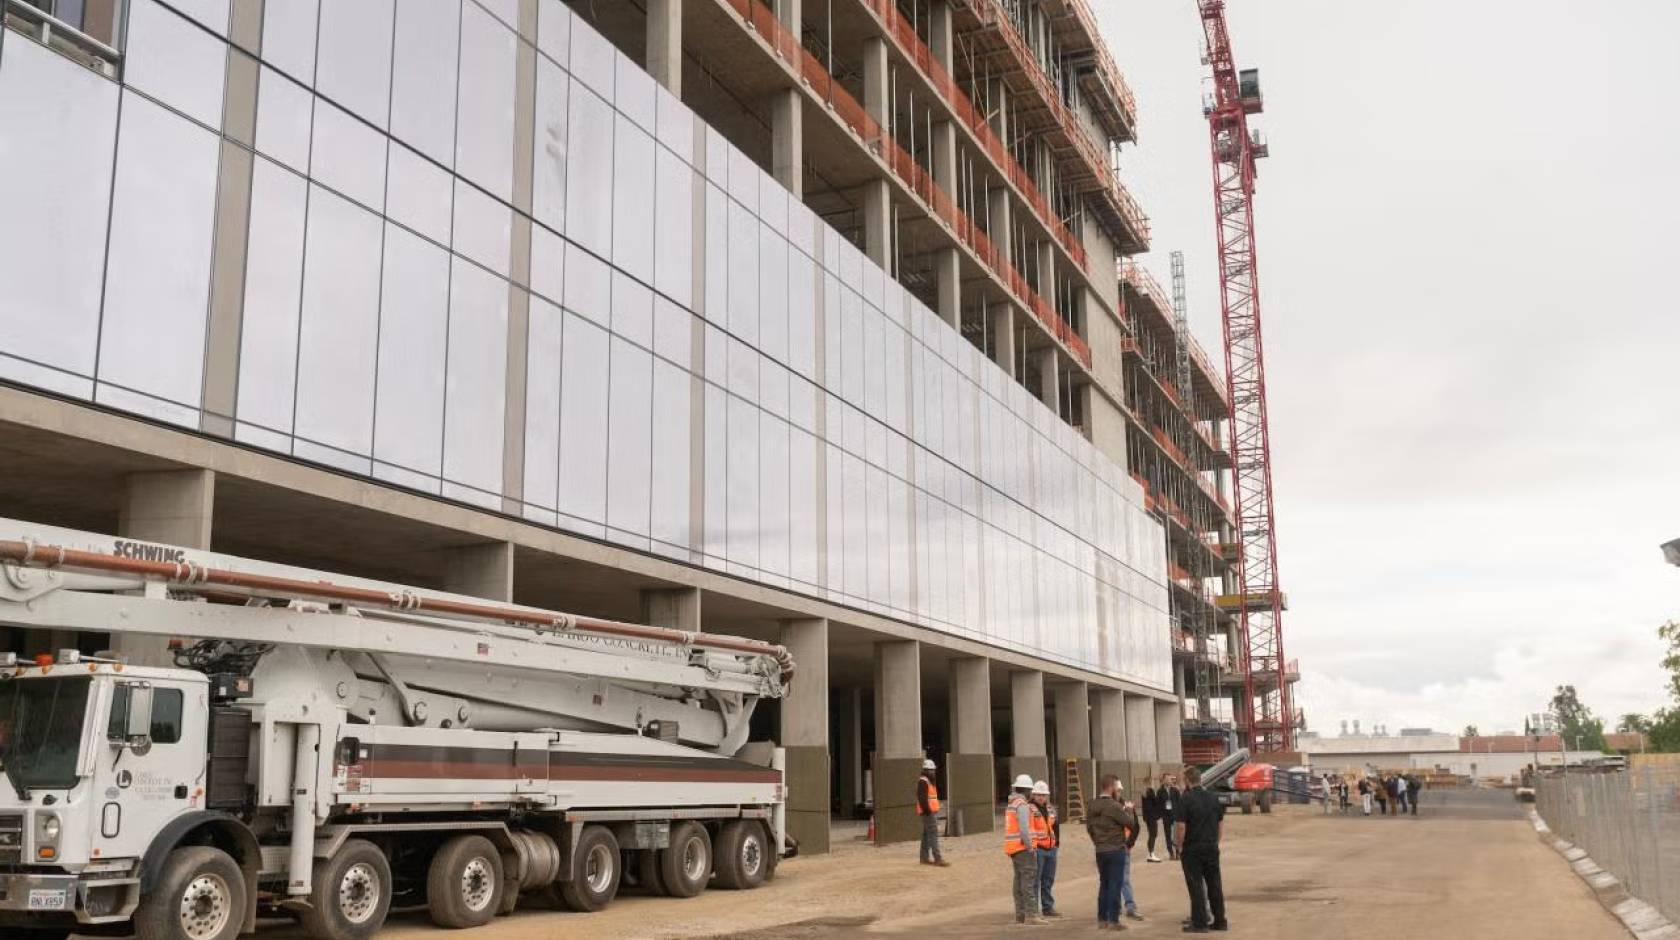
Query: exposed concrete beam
x=877, y=223
x=481, y=570
x=787, y=138
x=940, y=35
x=947, y=264
x=664, y=43
x=174, y=507
x=672, y=608
x=1049, y=379
x=1003, y=334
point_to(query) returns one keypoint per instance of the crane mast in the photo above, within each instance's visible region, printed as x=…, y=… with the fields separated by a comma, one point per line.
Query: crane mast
x=1267, y=713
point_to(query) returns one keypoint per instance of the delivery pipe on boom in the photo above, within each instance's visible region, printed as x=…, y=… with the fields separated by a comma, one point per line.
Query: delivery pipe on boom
x=192, y=577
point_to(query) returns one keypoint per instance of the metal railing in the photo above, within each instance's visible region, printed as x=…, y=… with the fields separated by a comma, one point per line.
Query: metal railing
x=90, y=39
x=1628, y=821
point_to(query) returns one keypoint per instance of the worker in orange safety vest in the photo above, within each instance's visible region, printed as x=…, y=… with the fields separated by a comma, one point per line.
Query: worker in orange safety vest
x=1047, y=835
x=927, y=807
x=1020, y=845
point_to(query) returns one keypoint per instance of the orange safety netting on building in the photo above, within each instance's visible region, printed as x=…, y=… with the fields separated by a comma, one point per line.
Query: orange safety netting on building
x=911, y=45
x=874, y=137
x=992, y=15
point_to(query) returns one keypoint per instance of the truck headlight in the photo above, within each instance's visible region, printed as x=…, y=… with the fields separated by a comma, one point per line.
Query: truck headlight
x=49, y=828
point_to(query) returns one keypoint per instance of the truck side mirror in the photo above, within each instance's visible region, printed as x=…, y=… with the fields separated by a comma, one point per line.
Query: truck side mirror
x=131, y=715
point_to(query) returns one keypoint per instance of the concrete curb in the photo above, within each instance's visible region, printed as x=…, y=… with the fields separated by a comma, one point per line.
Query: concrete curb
x=1641, y=919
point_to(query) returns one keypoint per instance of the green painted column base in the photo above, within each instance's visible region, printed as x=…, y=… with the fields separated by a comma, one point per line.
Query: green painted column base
x=807, y=798
x=895, y=799
x=1037, y=768
x=970, y=805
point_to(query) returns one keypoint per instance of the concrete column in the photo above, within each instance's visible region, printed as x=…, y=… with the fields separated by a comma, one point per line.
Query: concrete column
x=947, y=264
x=1026, y=699
x=804, y=733
x=1140, y=737
x=898, y=739
x=849, y=708
x=1046, y=283
x=940, y=35
x=664, y=43
x=1049, y=378
x=1073, y=741
x=968, y=766
x=484, y=570
x=1003, y=333
x=787, y=139
x=674, y=608
x=877, y=223
x=1108, y=725
x=172, y=507
x=999, y=222
x=998, y=114
x=1169, y=747
x=875, y=80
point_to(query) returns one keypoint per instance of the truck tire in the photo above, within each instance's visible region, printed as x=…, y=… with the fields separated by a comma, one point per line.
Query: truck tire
x=597, y=867
x=464, y=883
x=1247, y=803
x=686, y=866
x=648, y=864
x=199, y=895
x=1266, y=802
x=350, y=893
x=743, y=855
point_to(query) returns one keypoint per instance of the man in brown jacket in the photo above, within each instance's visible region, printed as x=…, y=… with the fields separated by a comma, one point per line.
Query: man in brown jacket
x=1113, y=827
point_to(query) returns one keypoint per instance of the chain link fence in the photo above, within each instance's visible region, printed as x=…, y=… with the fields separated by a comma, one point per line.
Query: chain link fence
x=1628, y=821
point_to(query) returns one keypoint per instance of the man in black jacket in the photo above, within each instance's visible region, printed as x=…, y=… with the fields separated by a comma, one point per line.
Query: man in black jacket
x=1200, y=821
x=1113, y=828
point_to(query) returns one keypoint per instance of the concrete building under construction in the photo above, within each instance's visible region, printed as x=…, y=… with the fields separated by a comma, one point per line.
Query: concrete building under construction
x=800, y=321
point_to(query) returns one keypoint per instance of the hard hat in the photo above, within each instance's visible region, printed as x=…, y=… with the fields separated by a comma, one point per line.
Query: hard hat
x=928, y=764
x=1041, y=789
x=1023, y=782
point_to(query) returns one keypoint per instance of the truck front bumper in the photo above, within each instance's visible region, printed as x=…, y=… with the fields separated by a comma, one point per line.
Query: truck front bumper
x=51, y=898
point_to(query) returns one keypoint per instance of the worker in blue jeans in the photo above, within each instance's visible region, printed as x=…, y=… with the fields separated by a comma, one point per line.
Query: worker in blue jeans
x=1047, y=835
x=1112, y=824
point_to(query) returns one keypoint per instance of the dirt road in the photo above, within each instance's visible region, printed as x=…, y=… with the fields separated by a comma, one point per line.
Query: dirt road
x=1469, y=866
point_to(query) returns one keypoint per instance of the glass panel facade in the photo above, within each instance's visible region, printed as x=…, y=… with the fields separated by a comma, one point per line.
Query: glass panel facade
x=708, y=372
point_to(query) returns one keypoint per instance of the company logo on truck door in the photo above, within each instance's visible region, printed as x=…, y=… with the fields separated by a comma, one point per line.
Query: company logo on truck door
x=145, y=552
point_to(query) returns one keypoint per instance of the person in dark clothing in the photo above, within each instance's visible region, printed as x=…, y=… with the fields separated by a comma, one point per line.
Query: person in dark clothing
x=1113, y=829
x=1393, y=790
x=1154, y=815
x=927, y=807
x=1379, y=789
x=1413, y=791
x=1170, y=798
x=1199, y=821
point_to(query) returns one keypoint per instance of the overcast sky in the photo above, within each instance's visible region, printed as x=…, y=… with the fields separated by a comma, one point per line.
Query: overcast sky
x=1467, y=250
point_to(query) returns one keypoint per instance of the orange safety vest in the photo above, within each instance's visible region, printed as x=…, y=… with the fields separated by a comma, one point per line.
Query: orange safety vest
x=1012, y=841
x=1043, y=837
x=933, y=799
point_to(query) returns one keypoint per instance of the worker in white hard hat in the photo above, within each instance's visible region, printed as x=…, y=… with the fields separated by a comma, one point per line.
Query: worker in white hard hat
x=927, y=807
x=1021, y=847
x=1047, y=832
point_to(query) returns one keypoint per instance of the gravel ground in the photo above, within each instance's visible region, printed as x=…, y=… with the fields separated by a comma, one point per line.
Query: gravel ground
x=1469, y=866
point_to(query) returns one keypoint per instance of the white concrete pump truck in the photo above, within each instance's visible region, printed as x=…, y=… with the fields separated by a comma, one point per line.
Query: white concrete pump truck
x=325, y=747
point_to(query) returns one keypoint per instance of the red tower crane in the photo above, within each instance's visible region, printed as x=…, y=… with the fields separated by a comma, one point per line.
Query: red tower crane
x=1267, y=713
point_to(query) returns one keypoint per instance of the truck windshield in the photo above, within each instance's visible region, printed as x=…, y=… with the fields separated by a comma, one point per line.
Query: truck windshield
x=41, y=730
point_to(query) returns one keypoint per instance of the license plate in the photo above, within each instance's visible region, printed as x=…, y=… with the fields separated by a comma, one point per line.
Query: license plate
x=48, y=899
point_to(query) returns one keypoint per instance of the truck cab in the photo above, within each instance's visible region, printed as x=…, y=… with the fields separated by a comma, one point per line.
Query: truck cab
x=99, y=758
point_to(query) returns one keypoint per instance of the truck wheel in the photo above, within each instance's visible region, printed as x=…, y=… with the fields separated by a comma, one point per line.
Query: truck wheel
x=350, y=893
x=742, y=855
x=596, y=871
x=200, y=895
x=772, y=855
x=464, y=883
x=648, y=865
x=686, y=866
x=1247, y=803
x=1266, y=801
